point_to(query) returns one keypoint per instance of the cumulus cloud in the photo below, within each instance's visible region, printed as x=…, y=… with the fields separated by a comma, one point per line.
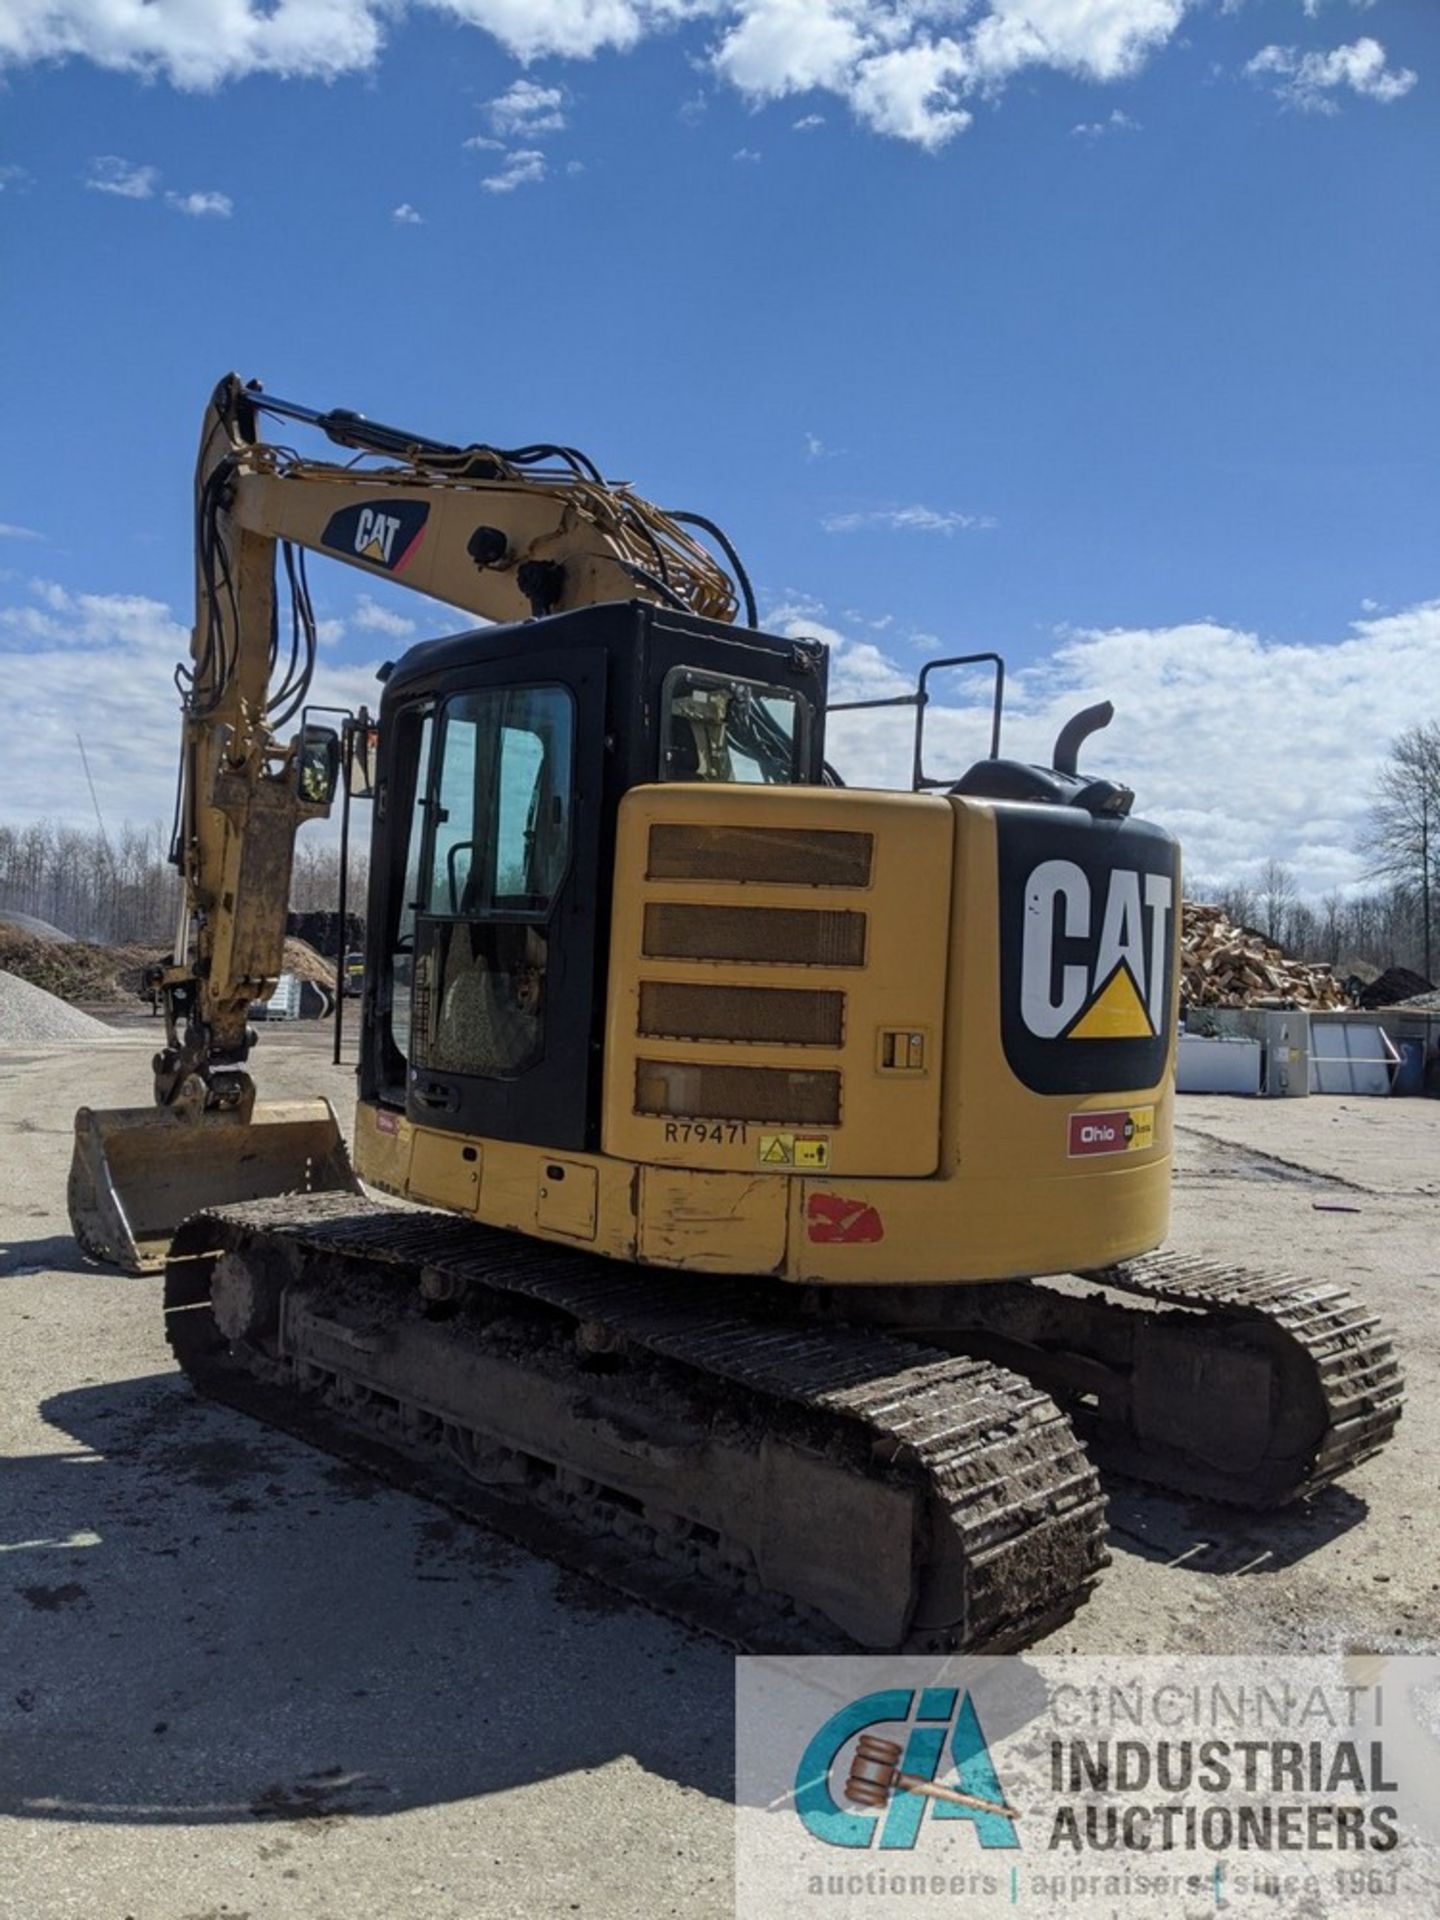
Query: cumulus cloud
x=525, y=111
x=905, y=68
x=748, y=155
x=103, y=661
x=913, y=519
x=202, y=206
x=523, y=168
x=406, y=216
x=1311, y=81
x=370, y=617
x=1246, y=749
x=110, y=174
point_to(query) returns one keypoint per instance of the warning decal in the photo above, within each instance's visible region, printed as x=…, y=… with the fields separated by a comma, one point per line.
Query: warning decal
x=811, y=1154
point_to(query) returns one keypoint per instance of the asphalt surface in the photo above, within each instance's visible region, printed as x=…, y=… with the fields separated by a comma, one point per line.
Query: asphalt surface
x=242, y=1681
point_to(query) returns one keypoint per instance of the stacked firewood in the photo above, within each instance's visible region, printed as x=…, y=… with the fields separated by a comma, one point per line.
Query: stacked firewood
x=1222, y=965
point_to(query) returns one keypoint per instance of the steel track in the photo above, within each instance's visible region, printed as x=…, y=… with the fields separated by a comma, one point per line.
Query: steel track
x=1008, y=1535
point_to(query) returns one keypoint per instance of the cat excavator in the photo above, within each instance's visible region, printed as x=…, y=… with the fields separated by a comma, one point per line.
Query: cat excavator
x=762, y=1177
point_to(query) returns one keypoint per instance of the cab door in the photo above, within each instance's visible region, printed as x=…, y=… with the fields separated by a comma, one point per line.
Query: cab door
x=502, y=1014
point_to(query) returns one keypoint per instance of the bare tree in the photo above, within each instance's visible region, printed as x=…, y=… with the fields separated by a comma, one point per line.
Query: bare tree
x=1404, y=822
x=1277, y=900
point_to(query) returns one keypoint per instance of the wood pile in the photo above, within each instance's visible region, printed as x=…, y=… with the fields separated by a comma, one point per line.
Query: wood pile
x=1222, y=965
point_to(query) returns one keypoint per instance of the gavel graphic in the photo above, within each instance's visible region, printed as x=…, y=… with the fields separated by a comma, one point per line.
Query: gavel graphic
x=875, y=1774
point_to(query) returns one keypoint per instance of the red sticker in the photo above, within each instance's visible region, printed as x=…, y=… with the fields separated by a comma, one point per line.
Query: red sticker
x=846, y=1222
x=1102, y=1132
x=386, y=1122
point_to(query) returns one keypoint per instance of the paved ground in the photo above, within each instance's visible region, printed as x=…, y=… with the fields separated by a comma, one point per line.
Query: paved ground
x=239, y=1681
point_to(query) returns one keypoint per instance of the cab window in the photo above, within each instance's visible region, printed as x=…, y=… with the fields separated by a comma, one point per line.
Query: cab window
x=717, y=728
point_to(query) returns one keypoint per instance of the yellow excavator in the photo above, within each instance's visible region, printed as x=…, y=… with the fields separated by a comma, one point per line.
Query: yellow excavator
x=785, y=1161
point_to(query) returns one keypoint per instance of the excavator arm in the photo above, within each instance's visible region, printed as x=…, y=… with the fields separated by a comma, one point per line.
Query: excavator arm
x=505, y=534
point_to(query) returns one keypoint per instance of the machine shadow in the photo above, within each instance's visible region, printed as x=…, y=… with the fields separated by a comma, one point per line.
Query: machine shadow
x=202, y=1620
x=53, y=1253
x=1207, y=1538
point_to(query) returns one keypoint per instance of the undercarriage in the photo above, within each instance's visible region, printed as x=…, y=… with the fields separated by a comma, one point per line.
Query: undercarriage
x=781, y=1470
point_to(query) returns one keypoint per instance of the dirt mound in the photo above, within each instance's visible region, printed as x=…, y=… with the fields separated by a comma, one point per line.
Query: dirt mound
x=90, y=976
x=70, y=969
x=1394, y=985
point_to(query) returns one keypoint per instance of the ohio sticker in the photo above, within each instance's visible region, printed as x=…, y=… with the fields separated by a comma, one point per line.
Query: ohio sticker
x=1128, y=1131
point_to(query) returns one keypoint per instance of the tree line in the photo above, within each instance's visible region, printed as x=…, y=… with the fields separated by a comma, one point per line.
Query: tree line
x=1394, y=923
x=123, y=891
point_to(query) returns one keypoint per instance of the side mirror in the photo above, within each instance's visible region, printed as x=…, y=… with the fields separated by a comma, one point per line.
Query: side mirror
x=317, y=765
x=362, y=757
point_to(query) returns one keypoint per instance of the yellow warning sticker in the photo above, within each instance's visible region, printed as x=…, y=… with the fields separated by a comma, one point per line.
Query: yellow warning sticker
x=794, y=1150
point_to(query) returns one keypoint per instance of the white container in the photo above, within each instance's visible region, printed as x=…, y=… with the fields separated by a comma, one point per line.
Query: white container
x=1217, y=1066
x=284, y=1003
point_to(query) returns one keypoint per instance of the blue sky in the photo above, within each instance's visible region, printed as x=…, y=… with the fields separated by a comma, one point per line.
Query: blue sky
x=1100, y=331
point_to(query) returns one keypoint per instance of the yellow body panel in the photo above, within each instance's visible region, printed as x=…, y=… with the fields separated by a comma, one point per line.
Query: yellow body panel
x=999, y=1185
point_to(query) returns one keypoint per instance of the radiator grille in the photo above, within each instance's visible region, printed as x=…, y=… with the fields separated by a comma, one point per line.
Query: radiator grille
x=793, y=936
x=792, y=1016
x=696, y=1091
x=786, y=856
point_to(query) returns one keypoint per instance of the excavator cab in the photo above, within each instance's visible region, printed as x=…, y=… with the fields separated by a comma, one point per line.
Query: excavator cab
x=504, y=758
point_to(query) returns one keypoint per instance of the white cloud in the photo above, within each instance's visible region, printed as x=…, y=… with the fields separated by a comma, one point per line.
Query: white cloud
x=914, y=92
x=406, y=216
x=196, y=46
x=1310, y=81
x=913, y=519
x=1244, y=748
x=1116, y=122
x=200, y=206
x=102, y=662
x=747, y=154
x=525, y=111
x=14, y=179
x=809, y=122
x=523, y=168
x=9, y=531
x=372, y=618
x=110, y=174
x=904, y=67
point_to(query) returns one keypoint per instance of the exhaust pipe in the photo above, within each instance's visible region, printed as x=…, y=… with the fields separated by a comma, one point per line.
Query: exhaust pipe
x=1076, y=732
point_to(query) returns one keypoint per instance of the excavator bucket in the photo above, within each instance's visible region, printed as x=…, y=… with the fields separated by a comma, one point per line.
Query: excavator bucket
x=137, y=1172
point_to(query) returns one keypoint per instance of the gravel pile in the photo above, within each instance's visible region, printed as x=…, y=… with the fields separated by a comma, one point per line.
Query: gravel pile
x=29, y=1015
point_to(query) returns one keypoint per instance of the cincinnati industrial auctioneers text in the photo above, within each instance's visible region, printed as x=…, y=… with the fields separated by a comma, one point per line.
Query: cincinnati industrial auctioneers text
x=1097, y=1785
